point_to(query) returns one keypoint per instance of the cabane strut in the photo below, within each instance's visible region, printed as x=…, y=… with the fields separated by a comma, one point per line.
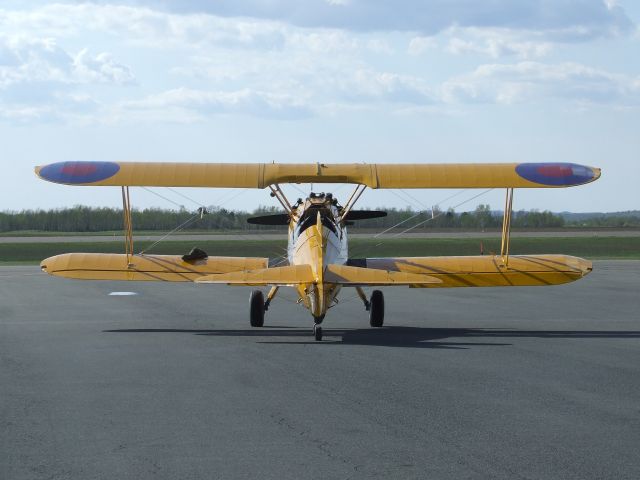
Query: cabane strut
x=359, y=190
x=277, y=192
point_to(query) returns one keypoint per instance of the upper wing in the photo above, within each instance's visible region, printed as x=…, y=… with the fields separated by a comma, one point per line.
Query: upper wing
x=486, y=271
x=261, y=175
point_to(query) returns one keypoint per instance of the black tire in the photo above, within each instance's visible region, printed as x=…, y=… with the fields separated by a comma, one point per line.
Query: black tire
x=256, y=309
x=317, y=332
x=376, y=312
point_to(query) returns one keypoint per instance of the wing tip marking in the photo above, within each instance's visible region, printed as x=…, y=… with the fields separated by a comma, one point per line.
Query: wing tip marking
x=557, y=174
x=77, y=173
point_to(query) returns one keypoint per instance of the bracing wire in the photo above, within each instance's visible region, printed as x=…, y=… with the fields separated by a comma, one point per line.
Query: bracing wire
x=404, y=199
x=178, y=228
x=415, y=199
x=185, y=197
x=433, y=217
x=417, y=214
x=162, y=197
x=440, y=214
x=200, y=212
x=398, y=224
x=296, y=188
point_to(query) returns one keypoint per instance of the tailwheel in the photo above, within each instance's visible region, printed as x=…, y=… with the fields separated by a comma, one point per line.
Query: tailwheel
x=317, y=332
x=256, y=309
x=376, y=312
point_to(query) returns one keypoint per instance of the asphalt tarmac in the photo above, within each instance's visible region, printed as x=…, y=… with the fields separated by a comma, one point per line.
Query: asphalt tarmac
x=173, y=383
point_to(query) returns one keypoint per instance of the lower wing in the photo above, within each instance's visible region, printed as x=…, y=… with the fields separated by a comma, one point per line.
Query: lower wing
x=485, y=271
x=333, y=273
x=357, y=276
x=280, y=276
x=476, y=271
x=165, y=268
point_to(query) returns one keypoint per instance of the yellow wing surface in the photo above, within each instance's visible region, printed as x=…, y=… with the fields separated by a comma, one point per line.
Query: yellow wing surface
x=261, y=175
x=220, y=270
x=357, y=276
x=486, y=271
x=472, y=271
x=281, y=276
x=335, y=274
x=165, y=268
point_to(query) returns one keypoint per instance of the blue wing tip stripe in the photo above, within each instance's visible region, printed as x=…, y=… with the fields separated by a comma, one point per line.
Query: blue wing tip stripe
x=556, y=174
x=79, y=172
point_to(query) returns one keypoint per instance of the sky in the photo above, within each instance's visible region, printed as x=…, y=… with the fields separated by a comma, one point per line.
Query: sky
x=424, y=81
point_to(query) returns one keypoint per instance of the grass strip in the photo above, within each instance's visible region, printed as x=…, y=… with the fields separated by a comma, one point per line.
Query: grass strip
x=586, y=247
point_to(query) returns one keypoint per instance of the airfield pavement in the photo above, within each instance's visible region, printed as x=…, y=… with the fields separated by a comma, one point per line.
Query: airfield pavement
x=173, y=383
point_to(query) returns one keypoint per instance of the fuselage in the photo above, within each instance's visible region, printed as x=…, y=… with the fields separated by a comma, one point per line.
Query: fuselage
x=317, y=237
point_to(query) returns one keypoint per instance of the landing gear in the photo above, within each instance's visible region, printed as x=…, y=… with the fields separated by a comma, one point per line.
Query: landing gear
x=270, y=295
x=376, y=309
x=363, y=297
x=317, y=329
x=256, y=309
x=317, y=332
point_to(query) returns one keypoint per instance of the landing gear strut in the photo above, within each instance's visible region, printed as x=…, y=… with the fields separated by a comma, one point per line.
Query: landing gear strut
x=317, y=332
x=363, y=297
x=317, y=329
x=256, y=308
x=270, y=295
x=376, y=309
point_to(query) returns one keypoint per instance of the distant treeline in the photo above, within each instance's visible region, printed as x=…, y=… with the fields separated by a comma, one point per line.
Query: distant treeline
x=91, y=219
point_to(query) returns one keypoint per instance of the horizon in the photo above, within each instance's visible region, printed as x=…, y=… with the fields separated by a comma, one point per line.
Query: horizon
x=278, y=208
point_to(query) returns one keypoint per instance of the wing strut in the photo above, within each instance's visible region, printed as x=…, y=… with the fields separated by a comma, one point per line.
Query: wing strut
x=277, y=192
x=506, y=227
x=352, y=201
x=128, y=224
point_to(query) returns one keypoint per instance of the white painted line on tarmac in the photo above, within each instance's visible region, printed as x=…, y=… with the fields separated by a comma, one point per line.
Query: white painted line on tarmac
x=122, y=294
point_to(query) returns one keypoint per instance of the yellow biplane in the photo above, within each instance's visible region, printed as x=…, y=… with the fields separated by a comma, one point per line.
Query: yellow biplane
x=318, y=262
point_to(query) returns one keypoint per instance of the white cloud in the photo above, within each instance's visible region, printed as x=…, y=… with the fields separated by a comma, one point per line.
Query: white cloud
x=321, y=41
x=186, y=105
x=38, y=60
x=370, y=86
x=39, y=80
x=532, y=81
x=378, y=45
x=497, y=46
x=217, y=65
x=58, y=106
x=259, y=24
x=587, y=18
x=101, y=68
x=143, y=26
x=419, y=45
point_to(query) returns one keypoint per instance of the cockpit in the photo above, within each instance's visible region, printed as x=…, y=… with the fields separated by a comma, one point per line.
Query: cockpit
x=321, y=203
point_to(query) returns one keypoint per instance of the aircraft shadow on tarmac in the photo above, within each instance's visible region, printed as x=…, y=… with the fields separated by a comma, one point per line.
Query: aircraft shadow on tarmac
x=411, y=337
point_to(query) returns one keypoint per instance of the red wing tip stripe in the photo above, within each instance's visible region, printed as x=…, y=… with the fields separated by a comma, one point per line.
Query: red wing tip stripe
x=556, y=174
x=79, y=172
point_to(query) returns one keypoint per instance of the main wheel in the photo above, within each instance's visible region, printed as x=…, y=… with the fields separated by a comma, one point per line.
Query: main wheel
x=317, y=332
x=376, y=313
x=256, y=309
